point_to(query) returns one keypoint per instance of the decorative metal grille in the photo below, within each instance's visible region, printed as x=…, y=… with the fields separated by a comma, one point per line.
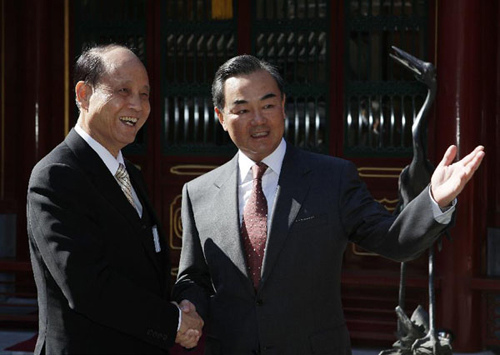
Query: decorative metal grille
x=99, y=22
x=194, y=46
x=381, y=98
x=292, y=34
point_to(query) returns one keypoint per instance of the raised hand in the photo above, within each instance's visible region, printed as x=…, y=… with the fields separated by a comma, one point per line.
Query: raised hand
x=190, y=330
x=449, y=179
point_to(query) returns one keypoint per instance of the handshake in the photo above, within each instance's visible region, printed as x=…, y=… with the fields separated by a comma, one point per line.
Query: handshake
x=189, y=332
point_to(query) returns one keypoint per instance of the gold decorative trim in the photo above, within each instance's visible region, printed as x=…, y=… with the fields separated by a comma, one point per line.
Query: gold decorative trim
x=2, y=129
x=222, y=9
x=175, y=223
x=66, y=67
x=386, y=202
x=191, y=170
x=371, y=172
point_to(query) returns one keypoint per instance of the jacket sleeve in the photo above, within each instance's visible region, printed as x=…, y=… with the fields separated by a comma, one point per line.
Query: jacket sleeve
x=193, y=281
x=370, y=225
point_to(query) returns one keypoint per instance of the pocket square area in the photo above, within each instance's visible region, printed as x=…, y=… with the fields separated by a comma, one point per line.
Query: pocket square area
x=303, y=219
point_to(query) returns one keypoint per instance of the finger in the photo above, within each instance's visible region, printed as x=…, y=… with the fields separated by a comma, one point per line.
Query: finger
x=476, y=157
x=449, y=155
x=190, y=342
x=472, y=155
x=189, y=345
x=478, y=160
x=474, y=164
x=187, y=336
x=187, y=306
x=184, y=305
x=194, y=337
x=193, y=333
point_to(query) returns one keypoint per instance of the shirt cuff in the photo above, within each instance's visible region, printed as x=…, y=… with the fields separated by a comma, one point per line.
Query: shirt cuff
x=180, y=316
x=442, y=216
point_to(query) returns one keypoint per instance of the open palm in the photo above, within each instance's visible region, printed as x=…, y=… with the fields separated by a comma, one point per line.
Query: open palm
x=449, y=179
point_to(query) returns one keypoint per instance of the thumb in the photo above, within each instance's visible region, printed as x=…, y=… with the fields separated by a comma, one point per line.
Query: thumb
x=449, y=156
x=187, y=306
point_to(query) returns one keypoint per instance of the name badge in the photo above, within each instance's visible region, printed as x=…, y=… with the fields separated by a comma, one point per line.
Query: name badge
x=156, y=239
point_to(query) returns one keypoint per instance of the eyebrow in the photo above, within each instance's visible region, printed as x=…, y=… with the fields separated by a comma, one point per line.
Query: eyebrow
x=265, y=97
x=268, y=96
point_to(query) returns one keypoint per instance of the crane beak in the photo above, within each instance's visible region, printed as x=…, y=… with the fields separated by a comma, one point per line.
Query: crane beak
x=416, y=65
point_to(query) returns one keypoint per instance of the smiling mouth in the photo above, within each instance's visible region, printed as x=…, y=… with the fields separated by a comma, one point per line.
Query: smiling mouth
x=129, y=121
x=260, y=134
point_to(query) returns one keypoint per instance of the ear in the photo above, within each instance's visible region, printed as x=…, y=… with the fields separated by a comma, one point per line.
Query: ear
x=83, y=93
x=220, y=115
x=283, y=105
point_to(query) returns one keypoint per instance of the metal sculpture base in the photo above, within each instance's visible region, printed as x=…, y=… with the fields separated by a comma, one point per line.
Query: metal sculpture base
x=416, y=336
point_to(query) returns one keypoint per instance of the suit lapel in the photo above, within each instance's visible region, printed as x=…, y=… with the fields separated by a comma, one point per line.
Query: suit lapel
x=95, y=168
x=293, y=186
x=226, y=218
x=97, y=171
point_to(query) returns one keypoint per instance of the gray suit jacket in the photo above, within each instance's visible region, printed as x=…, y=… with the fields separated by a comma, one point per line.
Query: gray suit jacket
x=321, y=205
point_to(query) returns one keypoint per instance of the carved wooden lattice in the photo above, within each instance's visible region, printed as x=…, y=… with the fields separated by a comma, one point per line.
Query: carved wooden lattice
x=381, y=100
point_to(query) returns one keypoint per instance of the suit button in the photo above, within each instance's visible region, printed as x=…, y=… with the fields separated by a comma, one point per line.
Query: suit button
x=260, y=302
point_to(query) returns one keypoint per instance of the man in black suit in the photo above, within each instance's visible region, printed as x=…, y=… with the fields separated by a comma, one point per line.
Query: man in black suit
x=265, y=273
x=100, y=261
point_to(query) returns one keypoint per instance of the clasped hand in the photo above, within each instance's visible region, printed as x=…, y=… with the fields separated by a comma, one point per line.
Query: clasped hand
x=189, y=332
x=449, y=179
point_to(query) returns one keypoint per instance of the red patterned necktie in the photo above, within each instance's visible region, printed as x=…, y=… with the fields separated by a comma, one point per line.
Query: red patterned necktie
x=254, y=226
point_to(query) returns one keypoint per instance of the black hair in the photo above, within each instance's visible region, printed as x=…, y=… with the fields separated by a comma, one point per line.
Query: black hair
x=241, y=65
x=90, y=66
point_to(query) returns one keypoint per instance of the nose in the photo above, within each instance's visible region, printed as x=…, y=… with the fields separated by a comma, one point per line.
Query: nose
x=135, y=102
x=258, y=118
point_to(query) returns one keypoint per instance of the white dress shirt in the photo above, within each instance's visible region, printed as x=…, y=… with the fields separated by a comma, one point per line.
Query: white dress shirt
x=274, y=161
x=109, y=160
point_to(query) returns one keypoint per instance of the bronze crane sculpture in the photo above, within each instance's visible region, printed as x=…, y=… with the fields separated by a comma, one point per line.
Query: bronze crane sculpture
x=418, y=334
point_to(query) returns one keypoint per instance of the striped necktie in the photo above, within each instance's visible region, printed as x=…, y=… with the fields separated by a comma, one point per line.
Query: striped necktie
x=124, y=182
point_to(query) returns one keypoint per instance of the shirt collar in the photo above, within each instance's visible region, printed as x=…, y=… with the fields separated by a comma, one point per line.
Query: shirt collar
x=274, y=161
x=108, y=159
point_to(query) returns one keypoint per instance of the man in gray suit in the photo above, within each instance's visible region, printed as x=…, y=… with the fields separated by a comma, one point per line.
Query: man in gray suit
x=274, y=288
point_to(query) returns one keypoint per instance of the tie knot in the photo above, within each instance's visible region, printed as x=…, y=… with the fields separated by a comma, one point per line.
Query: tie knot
x=121, y=173
x=258, y=170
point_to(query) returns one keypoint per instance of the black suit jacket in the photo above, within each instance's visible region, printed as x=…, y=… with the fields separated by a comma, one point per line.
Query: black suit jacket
x=102, y=288
x=321, y=205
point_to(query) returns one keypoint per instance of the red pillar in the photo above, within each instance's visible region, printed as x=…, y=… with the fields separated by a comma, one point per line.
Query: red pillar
x=33, y=101
x=462, y=53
